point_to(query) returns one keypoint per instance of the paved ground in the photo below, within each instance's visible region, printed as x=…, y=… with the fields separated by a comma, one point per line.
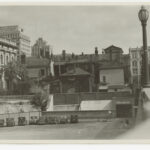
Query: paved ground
x=83, y=130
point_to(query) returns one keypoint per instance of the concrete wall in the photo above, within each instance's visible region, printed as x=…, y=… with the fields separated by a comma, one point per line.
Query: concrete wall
x=63, y=99
x=66, y=107
x=83, y=114
x=113, y=76
x=16, y=115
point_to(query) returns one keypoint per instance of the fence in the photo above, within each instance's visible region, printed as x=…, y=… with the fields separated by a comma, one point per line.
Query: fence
x=27, y=115
x=76, y=98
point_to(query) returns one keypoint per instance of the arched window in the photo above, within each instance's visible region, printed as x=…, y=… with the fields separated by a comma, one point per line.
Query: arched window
x=6, y=59
x=134, y=63
x=1, y=59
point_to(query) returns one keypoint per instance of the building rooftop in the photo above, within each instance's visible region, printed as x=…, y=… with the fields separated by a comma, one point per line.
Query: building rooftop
x=113, y=48
x=32, y=62
x=76, y=72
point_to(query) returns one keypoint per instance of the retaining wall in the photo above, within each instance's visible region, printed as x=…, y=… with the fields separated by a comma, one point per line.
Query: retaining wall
x=83, y=114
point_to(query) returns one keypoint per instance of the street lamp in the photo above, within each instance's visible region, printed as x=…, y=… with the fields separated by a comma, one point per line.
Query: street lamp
x=143, y=17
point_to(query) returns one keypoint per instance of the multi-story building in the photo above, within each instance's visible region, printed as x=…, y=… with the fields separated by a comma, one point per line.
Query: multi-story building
x=16, y=34
x=41, y=49
x=92, y=63
x=135, y=64
x=8, y=53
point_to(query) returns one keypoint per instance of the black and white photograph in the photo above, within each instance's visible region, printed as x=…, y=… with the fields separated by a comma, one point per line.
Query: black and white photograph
x=74, y=72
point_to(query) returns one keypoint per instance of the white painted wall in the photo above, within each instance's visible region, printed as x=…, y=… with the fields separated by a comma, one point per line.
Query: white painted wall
x=113, y=76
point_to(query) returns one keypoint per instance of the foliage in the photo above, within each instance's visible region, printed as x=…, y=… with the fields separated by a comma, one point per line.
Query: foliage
x=40, y=100
x=16, y=78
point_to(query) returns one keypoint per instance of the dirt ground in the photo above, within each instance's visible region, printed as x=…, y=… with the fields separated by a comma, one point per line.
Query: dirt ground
x=82, y=130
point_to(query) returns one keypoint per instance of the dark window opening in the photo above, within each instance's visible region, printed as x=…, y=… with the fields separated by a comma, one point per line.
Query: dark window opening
x=104, y=79
x=42, y=72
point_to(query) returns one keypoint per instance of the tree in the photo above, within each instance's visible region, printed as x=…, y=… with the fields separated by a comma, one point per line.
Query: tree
x=40, y=100
x=15, y=75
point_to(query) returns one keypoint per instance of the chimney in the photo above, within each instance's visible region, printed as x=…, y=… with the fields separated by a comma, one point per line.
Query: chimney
x=96, y=50
x=64, y=54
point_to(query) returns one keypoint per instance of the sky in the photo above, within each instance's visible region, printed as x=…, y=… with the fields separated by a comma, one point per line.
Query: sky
x=79, y=28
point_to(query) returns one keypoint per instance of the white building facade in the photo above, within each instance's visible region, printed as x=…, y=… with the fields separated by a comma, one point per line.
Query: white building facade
x=16, y=34
x=8, y=53
x=135, y=64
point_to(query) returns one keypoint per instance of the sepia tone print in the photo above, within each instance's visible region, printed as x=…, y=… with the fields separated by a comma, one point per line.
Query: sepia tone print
x=72, y=72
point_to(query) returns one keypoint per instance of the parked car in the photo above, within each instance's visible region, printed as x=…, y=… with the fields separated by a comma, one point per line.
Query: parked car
x=63, y=119
x=10, y=122
x=1, y=122
x=22, y=121
x=33, y=120
x=74, y=119
x=42, y=120
x=51, y=120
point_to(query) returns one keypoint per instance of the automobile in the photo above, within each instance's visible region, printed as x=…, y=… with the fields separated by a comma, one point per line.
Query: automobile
x=64, y=119
x=33, y=120
x=42, y=120
x=1, y=122
x=51, y=120
x=10, y=122
x=74, y=119
x=22, y=121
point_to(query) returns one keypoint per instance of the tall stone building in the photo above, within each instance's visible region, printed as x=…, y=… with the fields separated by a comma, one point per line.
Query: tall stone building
x=8, y=53
x=16, y=34
x=41, y=49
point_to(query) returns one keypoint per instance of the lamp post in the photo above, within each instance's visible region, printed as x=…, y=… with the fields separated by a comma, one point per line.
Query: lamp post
x=143, y=17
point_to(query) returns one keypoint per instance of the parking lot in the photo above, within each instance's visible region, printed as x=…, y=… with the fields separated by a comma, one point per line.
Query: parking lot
x=82, y=130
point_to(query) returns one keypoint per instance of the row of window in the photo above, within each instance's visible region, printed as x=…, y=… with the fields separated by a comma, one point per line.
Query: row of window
x=11, y=36
x=135, y=71
x=135, y=63
x=7, y=59
x=138, y=54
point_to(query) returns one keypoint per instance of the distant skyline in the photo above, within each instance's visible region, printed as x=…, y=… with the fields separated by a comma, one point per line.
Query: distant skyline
x=79, y=29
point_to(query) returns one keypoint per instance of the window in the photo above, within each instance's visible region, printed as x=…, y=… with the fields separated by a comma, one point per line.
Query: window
x=134, y=63
x=23, y=59
x=6, y=59
x=135, y=71
x=134, y=55
x=104, y=79
x=42, y=72
x=1, y=59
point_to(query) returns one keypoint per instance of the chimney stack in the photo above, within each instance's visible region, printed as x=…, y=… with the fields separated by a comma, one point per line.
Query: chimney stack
x=96, y=50
x=64, y=54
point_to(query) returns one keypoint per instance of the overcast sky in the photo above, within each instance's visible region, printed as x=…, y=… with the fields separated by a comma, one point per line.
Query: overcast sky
x=78, y=28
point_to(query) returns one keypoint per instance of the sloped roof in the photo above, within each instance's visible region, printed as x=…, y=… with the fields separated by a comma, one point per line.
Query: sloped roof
x=96, y=105
x=76, y=72
x=36, y=62
x=113, y=48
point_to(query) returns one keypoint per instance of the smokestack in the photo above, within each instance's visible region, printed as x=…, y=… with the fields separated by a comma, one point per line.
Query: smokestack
x=96, y=50
x=64, y=54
